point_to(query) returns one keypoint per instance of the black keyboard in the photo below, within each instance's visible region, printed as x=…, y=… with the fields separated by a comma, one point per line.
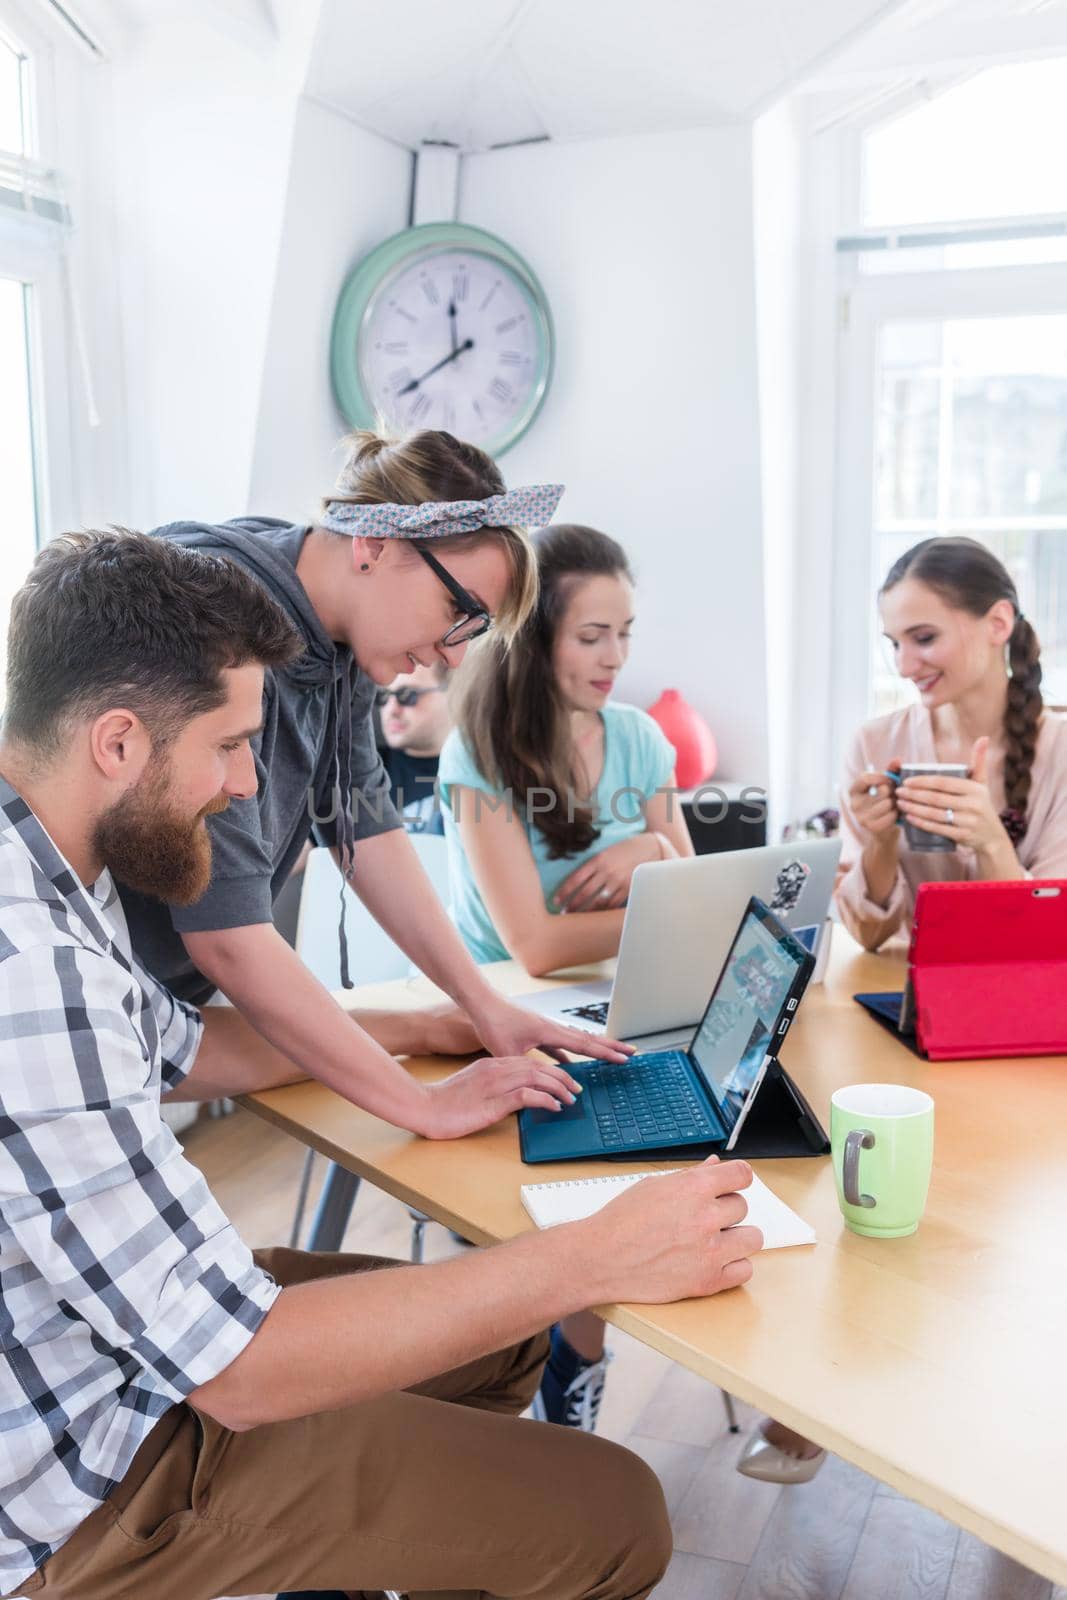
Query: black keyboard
x=596, y=1011
x=654, y=1105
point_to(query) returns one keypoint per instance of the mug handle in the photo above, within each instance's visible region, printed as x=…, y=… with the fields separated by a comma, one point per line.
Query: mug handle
x=859, y=1139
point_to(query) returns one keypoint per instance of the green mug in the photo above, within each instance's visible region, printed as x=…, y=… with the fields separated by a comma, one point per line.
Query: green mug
x=882, y=1148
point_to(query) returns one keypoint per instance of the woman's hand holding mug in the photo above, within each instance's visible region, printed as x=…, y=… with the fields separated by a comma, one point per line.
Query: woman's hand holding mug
x=874, y=804
x=956, y=808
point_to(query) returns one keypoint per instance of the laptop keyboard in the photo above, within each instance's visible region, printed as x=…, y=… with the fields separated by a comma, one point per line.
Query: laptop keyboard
x=596, y=1011
x=654, y=1105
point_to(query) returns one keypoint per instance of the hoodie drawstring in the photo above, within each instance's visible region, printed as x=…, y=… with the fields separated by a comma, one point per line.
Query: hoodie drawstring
x=346, y=831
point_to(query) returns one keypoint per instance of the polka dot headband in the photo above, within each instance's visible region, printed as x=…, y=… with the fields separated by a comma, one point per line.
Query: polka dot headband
x=529, y=507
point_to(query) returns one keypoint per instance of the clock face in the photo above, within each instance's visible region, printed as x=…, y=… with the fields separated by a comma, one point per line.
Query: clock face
x=455, y=339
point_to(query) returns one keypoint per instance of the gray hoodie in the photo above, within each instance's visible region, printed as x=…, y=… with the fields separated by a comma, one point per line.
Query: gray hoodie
x=319, y=772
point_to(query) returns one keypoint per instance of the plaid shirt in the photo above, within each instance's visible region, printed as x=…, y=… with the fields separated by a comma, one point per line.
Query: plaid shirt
x=123, y=1287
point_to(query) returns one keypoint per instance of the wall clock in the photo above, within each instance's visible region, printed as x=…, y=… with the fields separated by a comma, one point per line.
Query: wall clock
x=443, y=326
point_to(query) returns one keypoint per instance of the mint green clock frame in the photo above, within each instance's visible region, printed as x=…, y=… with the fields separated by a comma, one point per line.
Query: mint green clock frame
x=373, y=274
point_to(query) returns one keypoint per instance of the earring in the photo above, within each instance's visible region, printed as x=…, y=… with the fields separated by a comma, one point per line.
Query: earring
x=365, y=567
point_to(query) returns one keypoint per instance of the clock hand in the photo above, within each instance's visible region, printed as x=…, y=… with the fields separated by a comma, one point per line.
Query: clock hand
x=452, y=326
x=468, y=344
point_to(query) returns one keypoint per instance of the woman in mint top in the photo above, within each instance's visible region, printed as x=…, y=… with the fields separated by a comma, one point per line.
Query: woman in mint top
x=552, y=795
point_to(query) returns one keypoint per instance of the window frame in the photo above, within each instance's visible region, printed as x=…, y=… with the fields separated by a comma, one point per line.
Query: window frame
x=22, y=29
x=867, y=303
x=41, y=271
x=34, y=252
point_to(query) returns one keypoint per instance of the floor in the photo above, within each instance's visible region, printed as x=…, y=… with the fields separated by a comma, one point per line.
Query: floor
x=842, y=1537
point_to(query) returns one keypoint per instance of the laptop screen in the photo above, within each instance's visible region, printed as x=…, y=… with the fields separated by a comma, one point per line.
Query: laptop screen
x=732, y=1040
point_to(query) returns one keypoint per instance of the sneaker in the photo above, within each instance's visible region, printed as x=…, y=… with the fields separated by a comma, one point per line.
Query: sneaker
x=571, y=1387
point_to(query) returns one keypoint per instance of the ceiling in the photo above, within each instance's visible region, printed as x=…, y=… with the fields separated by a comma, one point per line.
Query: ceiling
x=943, y=37
x=486, y=72
x=479, y=73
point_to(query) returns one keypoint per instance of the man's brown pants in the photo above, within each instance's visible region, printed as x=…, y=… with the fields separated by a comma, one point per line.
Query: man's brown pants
x=440, y=1490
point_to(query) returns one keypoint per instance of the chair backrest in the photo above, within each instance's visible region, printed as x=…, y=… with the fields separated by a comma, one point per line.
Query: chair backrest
x=372, y=955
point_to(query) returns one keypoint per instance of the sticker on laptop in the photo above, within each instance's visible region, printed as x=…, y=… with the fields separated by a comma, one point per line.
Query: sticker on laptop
x=789, y=886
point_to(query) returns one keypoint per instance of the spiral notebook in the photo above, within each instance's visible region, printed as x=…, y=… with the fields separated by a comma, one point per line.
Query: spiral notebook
x=572, y=1199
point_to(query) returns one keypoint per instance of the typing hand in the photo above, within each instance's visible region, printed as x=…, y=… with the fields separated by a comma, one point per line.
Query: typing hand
x=485, y=1092
x=510, y=1030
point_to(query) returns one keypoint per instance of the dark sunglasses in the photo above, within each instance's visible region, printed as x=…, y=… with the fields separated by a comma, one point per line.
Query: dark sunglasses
x=403, y=697
x=475, y=619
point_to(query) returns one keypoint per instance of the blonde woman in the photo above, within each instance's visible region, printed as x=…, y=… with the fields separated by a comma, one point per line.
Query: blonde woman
x=417, y=551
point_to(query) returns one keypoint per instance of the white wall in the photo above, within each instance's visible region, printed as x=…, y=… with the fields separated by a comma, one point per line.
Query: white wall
x=777, y=183
x=645, y=248
x=796, y=183
x=347, y=191
x=206, y=121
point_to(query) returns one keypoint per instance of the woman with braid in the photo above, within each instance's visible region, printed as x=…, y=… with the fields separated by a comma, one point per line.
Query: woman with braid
x=951, y=614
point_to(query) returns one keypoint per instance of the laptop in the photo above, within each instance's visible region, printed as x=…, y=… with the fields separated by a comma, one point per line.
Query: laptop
x=692, y=1100
x=680, y=919
x=987, y=972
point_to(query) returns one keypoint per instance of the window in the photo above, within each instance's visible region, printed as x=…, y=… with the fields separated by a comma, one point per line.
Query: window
x=972, y=439
x=991, y=147
x=952, y=394
x=970, y=179
x=18, y=512
x=27, y=265
x=12, y=99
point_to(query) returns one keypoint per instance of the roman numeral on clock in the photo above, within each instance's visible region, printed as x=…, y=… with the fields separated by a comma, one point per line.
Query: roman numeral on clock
x=500, y=390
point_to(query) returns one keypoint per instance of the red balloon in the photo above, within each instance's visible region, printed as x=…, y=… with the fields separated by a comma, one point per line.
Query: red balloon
x=694, y=743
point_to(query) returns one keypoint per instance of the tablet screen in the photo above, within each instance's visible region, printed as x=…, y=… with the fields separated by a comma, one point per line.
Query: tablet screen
x=735, y=1033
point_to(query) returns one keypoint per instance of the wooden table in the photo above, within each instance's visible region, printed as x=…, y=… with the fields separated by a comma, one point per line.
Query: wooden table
x=938, y=1363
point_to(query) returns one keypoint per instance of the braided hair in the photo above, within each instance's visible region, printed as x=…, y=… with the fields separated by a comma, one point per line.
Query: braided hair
x=969, y=577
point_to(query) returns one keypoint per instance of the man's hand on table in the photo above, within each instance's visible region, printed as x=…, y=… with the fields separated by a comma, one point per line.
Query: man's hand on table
x=479, y=1095
x=509, y=1030
x=505, y=1029
x=672, y=1238
x=442, y=1030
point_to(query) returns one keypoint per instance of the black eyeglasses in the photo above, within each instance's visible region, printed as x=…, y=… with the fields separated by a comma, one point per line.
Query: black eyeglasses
x=475, y=619
x=403, y=697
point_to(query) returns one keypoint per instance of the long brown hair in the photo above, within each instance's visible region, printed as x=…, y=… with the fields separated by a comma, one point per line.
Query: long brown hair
x=508, y=705
x=434, y=465
x=969, y=577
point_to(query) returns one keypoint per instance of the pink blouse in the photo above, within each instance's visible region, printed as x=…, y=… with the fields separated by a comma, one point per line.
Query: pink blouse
x=908, y=735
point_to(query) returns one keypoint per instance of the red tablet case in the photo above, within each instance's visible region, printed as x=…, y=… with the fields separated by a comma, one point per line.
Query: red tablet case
x=988, y=968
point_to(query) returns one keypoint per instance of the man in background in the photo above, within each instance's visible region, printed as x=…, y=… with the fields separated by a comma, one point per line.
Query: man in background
x=415, y=723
